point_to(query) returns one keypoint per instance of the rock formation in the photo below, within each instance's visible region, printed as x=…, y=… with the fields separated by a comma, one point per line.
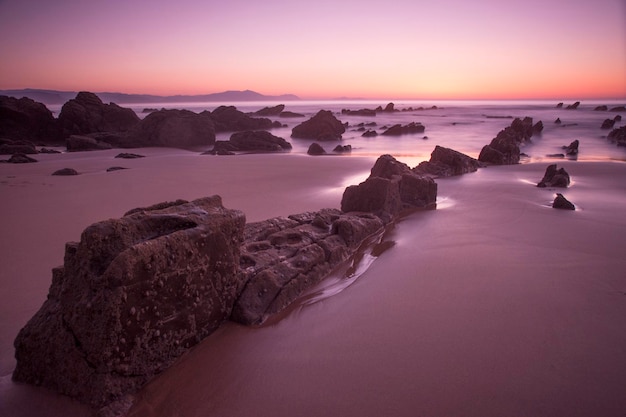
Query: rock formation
x=560, y=202
x=65, y=172
x=9, y=147
x=554, y=177
x=270, y=111
x=19, y=158
x=608, y=124
x=343, y=149
x=171, y=128
x=397, y=130
x=445, y=162
x=573, y=106
x=251, y=141
x=572, y=148
x=25, y=119
x=78, y=143
x=618, y=136
x=324, y=126
x=133, y=295
x=316, y=149
x=391, y=189
x=88, y=114
x=504, y=149
x=229, y=119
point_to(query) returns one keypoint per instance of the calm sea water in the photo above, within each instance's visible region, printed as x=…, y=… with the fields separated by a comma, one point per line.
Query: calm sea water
x=465, y=126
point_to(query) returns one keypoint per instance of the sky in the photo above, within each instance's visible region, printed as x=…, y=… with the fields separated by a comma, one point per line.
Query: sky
x=319, y=49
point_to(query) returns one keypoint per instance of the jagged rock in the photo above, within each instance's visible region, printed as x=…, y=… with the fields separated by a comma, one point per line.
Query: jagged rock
x=554, y=177
x=26, y=119
x=397, y=130
x=537, y=128
x=251, y=141
x=10, y=147
x=608, y=124
x=229, y=119
x=172, y=128
x=572, y=148
x=557, y=121
x=445, y=162
x=360, y=112
x=282, y=257
x=77, y=143
x=65, y=172
x=324, y=126
x=561, y=202
x=343, y=149
x=88, y=114
x=573, y=106
x=389, y=108
x=504, y=149
x=391, y=189
x=270, y=111
x=20, y=158
x=126, y=155
x=133, y=295
x=316, y=149
x=369, y=134
x=601, y=108
x=618, y=136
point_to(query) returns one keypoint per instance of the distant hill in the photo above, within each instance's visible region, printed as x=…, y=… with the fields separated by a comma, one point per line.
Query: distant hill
x=60, y=97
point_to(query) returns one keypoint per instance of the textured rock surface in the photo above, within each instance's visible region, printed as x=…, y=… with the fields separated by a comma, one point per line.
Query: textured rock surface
x=324, y=126
x=132, y=295
x=445, y=162
x=172, y=128
x=560, y=202
x=391, y=189
x=88, y=114
x=554, y=177
x=504, y=149
x=284, y=256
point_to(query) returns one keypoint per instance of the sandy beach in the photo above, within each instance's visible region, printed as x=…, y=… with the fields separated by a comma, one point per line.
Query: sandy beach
x=493, y=304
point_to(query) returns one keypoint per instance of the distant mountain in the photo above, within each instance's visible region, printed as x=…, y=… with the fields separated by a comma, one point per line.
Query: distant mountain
x=60, y=97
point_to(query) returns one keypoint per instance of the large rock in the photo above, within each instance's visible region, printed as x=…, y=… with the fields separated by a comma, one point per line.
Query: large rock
x=25, y=119
x=229, y=119
x=390, y=190
x=88, y=114
x=504, y=149
x=284, y=256
x=324, y=126
x=172, y=128
x=445, y=162
x=132, y=296
x=252, y=141
x=554, y=177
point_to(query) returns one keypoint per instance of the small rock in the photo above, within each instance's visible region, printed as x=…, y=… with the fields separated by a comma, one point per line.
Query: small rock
x=561, y=202
x=20, y=158
x=125, y=155
x=111, y=169
x=316, y=149
x=65, y=172
x=554, y=177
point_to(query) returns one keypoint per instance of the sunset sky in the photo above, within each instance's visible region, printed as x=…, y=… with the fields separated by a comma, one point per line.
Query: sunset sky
x=555, y=49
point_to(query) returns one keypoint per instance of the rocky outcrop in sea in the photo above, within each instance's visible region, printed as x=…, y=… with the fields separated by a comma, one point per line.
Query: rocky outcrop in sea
x=324, y=126
x=504, y=149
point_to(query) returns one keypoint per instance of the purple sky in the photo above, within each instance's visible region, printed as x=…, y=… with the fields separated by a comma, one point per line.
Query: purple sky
x=319, y=49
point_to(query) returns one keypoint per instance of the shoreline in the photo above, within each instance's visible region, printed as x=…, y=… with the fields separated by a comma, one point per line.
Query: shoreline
x=53, y=210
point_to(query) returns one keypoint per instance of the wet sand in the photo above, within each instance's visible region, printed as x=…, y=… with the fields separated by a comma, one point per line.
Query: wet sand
x=494, y=304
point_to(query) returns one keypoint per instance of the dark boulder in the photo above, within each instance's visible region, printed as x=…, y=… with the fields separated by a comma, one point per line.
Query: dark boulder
x=445, y=162
x=343, y=149
x=270, y=111
x=316, y=149
x=573, y=106
x=116, y=168
x=557, y=121
x=64, y=172
x=563, y=203
x=572, y=148
x=88, y=114
x=391, y=189
x=132, y=296
x=25, y=119
x=504, y=149
x=9, y=147
x=601, y=108
x=608, y=124
x=360, y=112
x=20, y=158
x=78, y=143
x=48, y=151
x=619, y=109
x=559, y=105
x=389, y=108
x=229, y=119
x=369, y=134
x=618, y=136
x=172, y=128
x=411, y=128
x=554, y=177
x=324, y=126
x=252, y=141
